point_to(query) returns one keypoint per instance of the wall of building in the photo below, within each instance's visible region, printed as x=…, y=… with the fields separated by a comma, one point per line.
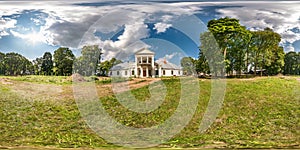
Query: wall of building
x=121, y=73
x=170, y=72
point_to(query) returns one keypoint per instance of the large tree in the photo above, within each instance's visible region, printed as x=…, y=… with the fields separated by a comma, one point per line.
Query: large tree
x=37, y=65
x=292, y=63
x=213, y=54
x=188, y=65
x=231, y=38
x=47, y=63
x=16, y=64
x=89, y=61
x=63, y=61
x=265, y=49
x=202, y=64
x=2, y=65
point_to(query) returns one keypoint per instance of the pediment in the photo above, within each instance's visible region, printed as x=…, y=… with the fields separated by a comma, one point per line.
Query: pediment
x=144, y=51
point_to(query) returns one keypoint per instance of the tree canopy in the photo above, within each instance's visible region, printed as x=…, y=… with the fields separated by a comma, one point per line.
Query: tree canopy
x=243, y=50
x=63, y=61
x=88, y=63
x=15, y=64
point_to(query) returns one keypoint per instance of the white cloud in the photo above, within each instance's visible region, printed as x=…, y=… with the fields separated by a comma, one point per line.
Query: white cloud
x=290, y=48
x=128, y=42
x=279, y=16
x=161, y=27
x=168, y=57
x=6, y=24
x=31, y=38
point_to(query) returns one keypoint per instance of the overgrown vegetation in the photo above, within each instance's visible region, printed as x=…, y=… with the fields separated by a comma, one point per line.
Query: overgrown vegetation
x=257, y=113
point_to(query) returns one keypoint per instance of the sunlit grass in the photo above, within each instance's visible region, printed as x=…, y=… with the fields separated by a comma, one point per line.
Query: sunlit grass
x=257, y=113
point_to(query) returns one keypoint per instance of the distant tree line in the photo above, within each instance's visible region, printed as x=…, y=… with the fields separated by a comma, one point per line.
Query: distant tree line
x=239, y=51
x=62, y=63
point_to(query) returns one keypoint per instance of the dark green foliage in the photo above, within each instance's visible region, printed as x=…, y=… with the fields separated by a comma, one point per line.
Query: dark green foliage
x=107, y=65
x=241, y=48
x=15, y=64
x=47, y=63
x=2, y=65
x=202, y=64
x=88, y=63
x=188, y=65
x=292, y=63
x=63, y=59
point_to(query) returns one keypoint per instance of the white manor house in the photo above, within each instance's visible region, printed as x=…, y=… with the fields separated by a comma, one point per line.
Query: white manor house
x=145, y=66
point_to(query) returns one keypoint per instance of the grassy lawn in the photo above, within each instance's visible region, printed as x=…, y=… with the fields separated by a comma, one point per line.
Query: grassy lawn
x=39, y=111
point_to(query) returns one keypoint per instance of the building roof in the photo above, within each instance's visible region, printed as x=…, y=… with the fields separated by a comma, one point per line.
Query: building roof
x=166, y=65
x=123, y=66
x=144, y=51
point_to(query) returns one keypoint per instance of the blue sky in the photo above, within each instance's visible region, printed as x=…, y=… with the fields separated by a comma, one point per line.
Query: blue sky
x=120, y=28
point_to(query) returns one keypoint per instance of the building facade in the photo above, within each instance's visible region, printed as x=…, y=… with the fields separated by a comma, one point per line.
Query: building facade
x=145, y=66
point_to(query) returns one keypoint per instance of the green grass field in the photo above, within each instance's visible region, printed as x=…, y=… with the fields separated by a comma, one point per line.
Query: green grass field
x=257, y=113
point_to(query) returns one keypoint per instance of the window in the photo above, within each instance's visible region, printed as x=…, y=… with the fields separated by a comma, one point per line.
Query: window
x=132, y=72
x=172, y=72
x=118, y=73
x=125, y=72
x=164, y=72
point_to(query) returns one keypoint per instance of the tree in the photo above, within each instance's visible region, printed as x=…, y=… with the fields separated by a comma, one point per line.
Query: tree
x=2, y=65
x=16, y=64
x=202, y=64
x=212, y=52
x=231, y=38
x=88, y=63
x=47, y=63
x=107, y=65
x=277, y=61
x=265, y=48
x=188, y=64
x=292, y=63
x=63, y=61
x=37, y=65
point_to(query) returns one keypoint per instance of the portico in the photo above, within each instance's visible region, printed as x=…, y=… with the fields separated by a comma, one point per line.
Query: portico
x=144, y=61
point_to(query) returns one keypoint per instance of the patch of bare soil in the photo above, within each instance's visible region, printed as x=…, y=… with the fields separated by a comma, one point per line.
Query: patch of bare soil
x=38, y=91
x=35, y=91
x=5, y=81
x=107, y=89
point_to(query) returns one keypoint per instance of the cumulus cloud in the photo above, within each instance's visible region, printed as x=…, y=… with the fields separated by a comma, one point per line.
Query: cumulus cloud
x=282, y=17
x=290, y=48
x=6, y=24
x=161, y=27
x=168, y=57
x=128, y=42
x=32, y=38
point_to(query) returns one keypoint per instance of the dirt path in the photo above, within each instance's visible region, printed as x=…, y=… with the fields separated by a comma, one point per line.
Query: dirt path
x=53, y=92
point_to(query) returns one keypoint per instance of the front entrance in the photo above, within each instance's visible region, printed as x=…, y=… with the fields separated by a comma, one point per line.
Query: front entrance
x=144, y=73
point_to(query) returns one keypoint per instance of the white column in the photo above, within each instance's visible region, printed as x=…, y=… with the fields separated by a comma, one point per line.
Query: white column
x=147, y=72
x=159, y=71
x=147, y=60
x=141, y=60
x=141, y=75
x=153, y=67
x=136, y=67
